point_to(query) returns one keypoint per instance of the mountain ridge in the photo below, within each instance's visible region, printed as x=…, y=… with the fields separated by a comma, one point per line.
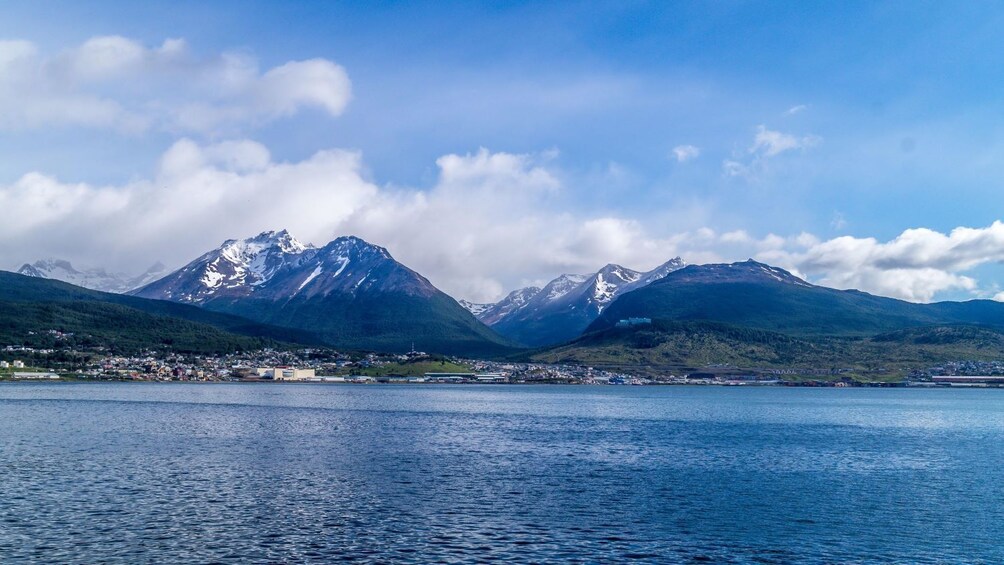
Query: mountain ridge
x=350, y=292
x=757, y=295
x=564, y=307
x=96, y=278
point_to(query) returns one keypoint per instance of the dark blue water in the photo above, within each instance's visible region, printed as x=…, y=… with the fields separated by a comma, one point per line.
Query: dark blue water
x=134, y=473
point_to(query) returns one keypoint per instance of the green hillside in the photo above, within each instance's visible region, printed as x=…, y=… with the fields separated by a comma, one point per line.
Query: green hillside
x=120, y=329
x=386, y=321
x=674, y=346
x=756, y=316
x=30, y=307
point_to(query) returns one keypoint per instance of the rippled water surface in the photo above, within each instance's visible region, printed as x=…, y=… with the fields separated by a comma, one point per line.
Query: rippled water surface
x=133, y=473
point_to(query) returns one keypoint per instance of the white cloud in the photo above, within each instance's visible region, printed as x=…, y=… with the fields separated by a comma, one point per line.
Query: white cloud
x=684, y=153
x=766, y=145
x=769, y=143
x=915, y=285
x=916, y=265
x=796, y=109
x=200, y=196
x=486, y=225
x=734, y=168
x=113, y=82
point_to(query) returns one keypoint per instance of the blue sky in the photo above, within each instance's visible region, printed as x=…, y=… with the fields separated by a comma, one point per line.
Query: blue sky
x=824, y=119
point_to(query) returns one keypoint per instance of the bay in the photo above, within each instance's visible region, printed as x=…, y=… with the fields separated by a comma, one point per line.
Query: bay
x=134, y=473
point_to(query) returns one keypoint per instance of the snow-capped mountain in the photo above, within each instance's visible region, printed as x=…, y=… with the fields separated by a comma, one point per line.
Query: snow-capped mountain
x=239, y=267
x=350, y=292
x=92, y=278
x=564, y=307
x=276, y=266
x=513, y=302
x=674, y=264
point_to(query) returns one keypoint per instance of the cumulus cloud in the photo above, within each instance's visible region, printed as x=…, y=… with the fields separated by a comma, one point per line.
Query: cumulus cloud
x=484, y=226
x=684, y=153
x=916, y=265
x=201, y=195
x=112, y=82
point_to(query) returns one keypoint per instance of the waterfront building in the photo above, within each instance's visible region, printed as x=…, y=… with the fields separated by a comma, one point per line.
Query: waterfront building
x=285, y=373
x=35, y=376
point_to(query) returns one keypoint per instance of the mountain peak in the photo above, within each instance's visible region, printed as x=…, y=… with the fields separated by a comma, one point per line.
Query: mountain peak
x=29, y=270
x=749, y=271
x=622, y=273
x=675, y=261
x=352, y=247
x=281, y=239
x=674, y=264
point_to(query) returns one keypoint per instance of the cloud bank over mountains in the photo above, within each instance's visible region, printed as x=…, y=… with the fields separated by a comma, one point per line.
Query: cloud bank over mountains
x=484, y=227
x=487, y=221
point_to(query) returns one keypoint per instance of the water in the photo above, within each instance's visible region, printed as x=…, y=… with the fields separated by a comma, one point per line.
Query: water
x=133, y=473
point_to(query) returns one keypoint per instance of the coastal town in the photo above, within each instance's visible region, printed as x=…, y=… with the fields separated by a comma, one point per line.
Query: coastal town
x=317, y=365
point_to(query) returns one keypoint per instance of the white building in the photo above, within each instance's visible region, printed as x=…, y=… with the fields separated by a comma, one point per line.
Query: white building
x=285, y=373
x=36, y=376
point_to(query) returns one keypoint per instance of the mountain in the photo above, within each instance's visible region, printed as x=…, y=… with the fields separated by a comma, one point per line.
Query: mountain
x=754, y=295
x=95, y=279
x=31, y=306
x=567, y=305
x=350, y=293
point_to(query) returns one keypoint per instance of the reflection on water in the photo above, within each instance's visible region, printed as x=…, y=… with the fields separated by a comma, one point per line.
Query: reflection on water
x=207, y=473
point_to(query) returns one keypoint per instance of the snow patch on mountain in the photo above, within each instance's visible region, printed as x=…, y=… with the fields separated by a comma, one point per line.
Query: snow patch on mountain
x=317, y=271
x=563, y=285
x=608, y=283
x=474, y=308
